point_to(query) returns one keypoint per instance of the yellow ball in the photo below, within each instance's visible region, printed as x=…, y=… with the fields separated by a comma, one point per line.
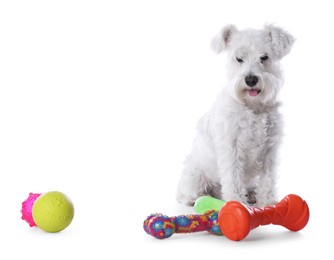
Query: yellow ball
x=53, y=211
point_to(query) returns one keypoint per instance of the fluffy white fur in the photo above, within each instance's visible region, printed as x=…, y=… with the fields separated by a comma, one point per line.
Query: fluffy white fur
x=235, y=151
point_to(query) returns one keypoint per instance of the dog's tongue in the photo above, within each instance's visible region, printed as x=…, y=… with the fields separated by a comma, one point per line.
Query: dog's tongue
x=253, y=92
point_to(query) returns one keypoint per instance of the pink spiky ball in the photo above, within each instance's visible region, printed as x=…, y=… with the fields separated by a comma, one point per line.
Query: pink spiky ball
x=27, y=208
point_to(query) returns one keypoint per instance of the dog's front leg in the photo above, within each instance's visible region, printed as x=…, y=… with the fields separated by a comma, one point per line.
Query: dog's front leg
x=266, y=192
x=231, y=159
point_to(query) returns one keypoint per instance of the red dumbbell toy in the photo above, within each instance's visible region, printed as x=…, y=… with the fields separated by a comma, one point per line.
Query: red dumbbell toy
x=237, y=220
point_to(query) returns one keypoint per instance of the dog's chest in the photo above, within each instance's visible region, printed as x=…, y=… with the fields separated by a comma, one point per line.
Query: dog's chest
x=254, y=132
x=257, y=129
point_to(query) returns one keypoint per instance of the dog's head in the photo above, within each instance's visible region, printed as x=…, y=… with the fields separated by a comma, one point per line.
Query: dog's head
x=253, y=69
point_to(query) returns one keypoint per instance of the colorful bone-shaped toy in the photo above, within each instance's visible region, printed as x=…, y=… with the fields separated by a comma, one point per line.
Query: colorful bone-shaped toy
x=235, y=220
x=161, y=226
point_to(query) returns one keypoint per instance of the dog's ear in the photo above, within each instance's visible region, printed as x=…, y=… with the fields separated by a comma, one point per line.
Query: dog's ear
x=222, y=40
x=281, y=40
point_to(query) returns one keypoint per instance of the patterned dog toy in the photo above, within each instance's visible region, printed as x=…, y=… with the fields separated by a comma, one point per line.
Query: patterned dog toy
x=234, y=219
x=161, y=226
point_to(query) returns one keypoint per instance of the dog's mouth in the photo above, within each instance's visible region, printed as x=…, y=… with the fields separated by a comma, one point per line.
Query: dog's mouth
x=253, y=92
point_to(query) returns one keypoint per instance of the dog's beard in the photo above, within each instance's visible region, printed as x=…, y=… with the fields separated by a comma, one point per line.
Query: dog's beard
x=263, y=93
x=272, y=86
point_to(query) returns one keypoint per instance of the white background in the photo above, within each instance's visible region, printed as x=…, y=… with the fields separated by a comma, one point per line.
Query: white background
x=99, y=100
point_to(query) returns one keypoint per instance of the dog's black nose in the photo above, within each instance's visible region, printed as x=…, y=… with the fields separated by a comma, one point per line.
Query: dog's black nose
x=251, y=80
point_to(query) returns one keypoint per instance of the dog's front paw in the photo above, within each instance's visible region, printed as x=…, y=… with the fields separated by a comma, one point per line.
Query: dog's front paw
x=251, y=197
x=266, y=202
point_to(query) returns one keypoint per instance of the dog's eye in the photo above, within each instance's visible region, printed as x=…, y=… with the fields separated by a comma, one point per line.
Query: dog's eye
x=239, y=60
x=264, y=58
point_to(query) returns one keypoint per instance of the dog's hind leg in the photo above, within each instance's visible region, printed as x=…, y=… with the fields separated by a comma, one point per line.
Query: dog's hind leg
x=193, y=184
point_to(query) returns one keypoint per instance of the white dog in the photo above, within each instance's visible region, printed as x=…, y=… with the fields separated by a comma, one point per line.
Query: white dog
x=234, y=153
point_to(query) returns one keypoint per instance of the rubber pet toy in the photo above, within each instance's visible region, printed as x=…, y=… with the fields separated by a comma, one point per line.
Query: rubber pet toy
x=235, y=220
x=161, y=226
